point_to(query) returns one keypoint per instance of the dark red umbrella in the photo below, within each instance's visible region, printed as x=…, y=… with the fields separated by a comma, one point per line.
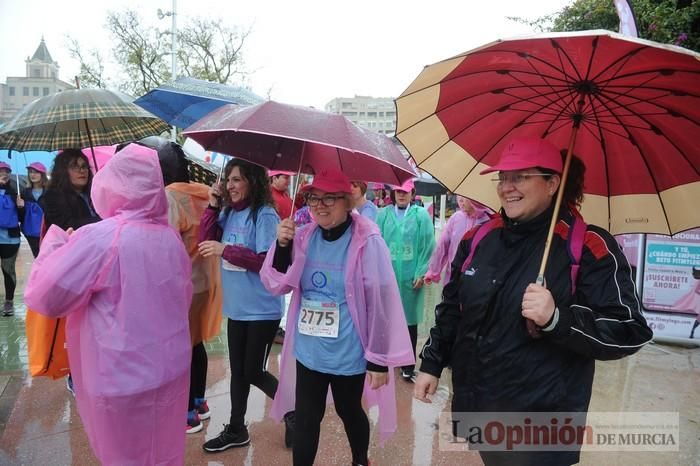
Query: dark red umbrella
x=300, y=139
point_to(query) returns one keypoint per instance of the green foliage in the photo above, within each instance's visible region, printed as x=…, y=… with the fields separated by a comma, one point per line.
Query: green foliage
x=667, y=21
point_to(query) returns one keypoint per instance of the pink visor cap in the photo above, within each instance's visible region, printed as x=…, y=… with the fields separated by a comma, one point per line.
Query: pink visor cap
x=329, y=181
x=272, y=173
x=5, y=166
x=527, y=152
x=38, y=166
x=407, y=186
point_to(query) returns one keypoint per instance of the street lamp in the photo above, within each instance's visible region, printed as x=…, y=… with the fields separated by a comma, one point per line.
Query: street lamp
x=172, y=13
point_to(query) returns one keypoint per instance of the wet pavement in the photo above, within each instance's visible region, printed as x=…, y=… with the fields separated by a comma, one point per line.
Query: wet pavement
x=39, y=424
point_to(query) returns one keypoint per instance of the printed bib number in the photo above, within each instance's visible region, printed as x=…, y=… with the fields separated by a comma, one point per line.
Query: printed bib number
x=403, y=252
x=319, y=319
x=229, y=266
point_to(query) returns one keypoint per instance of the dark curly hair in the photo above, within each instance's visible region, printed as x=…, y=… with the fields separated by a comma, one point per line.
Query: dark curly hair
x=573, y=190
x=60, y=179
x=258, y=184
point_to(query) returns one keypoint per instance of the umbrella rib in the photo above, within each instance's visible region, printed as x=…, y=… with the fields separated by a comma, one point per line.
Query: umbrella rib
x=544, y=77
x=643, y=72
x=651, y=102
x=681, y=152
x=606, y=166
x=568, y=58
x=546, y=95
x=626, y=57
x=643, y=158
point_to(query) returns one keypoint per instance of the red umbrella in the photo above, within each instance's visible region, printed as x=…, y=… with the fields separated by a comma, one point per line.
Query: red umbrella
x=629, y=108
x=300, y=139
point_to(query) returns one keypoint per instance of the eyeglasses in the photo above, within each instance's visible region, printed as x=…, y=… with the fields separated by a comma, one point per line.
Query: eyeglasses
x=516, y=179
x=78, y=166
x=328, y=201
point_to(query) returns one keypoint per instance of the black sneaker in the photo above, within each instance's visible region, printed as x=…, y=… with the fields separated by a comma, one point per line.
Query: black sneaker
x=228, y=438
x=289, y=422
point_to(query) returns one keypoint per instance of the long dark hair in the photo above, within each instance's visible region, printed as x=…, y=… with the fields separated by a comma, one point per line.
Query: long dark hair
x=258, y=185
x=573, y=190
x=44, y=181
x=60, y=179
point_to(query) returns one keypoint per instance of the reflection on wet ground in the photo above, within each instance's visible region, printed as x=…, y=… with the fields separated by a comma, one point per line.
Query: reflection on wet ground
x=39, y=424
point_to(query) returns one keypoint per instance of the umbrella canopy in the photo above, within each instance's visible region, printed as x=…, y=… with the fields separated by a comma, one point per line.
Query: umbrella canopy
x=292, y=138
x=629, y=108
x=79, y=118
x=186, y=100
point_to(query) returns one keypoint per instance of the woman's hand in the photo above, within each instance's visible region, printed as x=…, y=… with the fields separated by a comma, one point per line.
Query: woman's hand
x=211, y=248
x=285, y=232
x=215, y=195
x=20, y=201
x=377, y=379
x=538, y=304
x=425, y=385
x=418, y=283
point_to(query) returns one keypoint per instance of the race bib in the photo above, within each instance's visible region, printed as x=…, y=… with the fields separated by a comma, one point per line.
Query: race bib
x=319, y=319
x=229, y=266
x=402, y=252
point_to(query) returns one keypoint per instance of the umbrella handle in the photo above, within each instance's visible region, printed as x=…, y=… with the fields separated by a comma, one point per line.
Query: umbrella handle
x=296, y=183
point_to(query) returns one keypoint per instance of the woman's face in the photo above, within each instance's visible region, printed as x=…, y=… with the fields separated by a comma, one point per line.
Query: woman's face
x=34, y=176
x=403, y=198
x=465, y=204
x=79, y=173
x=356, y=191
x=328, y=216
x=4, y=175
x=526, y=193
x=237, y=185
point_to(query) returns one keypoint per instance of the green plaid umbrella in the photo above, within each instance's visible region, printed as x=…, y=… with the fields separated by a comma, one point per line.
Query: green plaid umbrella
x=79, y=118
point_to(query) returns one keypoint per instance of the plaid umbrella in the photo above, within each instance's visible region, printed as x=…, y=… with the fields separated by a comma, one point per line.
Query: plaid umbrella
x=79, y=118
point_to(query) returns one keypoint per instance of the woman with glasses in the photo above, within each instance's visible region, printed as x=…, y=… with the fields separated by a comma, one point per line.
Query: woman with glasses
x=31, y=196
x=345, y=328
x=409, y=233
x=585, y=310
x=239, y=226
x=67, y=201
x=11, y=210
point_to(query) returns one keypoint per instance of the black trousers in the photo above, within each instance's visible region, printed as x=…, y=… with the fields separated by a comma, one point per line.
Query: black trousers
x=311, y=392
x=249, y=344
x=413, y=332
x=8, y=256
x=198, y=374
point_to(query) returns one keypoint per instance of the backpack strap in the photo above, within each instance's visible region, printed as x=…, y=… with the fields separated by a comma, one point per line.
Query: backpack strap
x=574, y=244
x=481, y=231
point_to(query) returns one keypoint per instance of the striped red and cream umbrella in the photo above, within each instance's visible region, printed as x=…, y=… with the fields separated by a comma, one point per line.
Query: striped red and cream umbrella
x=629, y=108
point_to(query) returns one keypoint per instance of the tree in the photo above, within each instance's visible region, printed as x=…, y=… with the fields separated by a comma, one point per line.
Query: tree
x=667, y=21
x=208, y=50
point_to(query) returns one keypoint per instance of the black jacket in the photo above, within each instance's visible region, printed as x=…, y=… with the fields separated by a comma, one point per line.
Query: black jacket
x=480, y=332
x=66, y=209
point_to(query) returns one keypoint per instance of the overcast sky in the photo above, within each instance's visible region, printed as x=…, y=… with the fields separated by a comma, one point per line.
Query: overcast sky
x=305, y=52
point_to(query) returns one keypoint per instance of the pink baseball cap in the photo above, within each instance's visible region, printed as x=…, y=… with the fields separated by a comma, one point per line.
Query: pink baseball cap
x=329, y=181
x=407, y=186
x=279, y=172
x=527, y=152
x=5, y=166
x=38, y=166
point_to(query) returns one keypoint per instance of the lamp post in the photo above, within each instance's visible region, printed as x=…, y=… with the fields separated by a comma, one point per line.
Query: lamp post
x=173, y=33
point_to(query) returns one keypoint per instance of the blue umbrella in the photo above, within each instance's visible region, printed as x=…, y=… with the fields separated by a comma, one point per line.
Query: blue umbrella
x=187, y=100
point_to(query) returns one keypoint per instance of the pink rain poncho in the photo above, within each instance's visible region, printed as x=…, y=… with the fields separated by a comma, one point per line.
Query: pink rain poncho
x=375, y=307
x=458, y=224
x=125, y=286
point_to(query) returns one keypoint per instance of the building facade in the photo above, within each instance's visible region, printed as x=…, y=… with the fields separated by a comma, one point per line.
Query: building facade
x=374, y=113
x=41, y=80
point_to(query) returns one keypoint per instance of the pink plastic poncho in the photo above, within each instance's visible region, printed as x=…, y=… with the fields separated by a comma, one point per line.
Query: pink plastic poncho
x=125, y=285
x=458, y=224
x=375, y=307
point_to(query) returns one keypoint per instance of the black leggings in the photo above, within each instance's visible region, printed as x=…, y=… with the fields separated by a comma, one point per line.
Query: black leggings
x=249, y=344
x=413, y=332
x=311, y=392
x=8, y=256
x=33, y=244
x=198, y=374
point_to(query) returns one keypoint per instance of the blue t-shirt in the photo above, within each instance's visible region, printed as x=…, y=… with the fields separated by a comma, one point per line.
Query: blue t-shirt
x=36, y=193
x=369, y=210
x=245, y=297
x=323, y=283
